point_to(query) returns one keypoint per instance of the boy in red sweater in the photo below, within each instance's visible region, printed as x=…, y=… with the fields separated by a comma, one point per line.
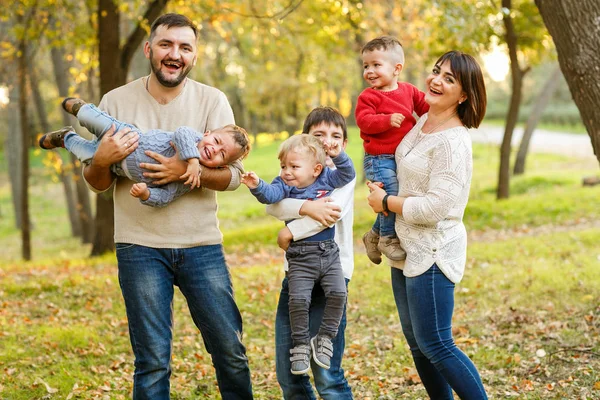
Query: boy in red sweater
x=384, y=114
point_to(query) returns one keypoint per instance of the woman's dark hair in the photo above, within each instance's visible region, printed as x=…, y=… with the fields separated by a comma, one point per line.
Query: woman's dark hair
x=468, y=73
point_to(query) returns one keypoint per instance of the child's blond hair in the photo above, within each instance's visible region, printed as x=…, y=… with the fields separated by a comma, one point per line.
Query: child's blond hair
x=304, y=143
x=240, y=136
x=388, y=44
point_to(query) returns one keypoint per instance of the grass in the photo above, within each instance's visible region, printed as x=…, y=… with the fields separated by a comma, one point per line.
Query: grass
x=526, y=311
x=64, y=323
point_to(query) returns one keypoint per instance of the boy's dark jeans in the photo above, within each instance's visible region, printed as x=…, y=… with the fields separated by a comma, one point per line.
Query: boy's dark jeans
x=311, y=263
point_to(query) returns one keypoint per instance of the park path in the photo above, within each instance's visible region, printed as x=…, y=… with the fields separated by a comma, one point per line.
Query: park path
x=542, y=141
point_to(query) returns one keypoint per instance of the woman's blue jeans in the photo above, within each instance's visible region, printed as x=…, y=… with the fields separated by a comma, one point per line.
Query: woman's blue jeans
x=331, y=384
x=425, y=305
x=147, y=277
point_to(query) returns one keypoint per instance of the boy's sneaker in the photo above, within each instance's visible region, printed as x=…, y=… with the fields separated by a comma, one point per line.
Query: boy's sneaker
x=371, y=241
x=300, y=359
x=52, y=140
x=390, y=247
x=322, y=348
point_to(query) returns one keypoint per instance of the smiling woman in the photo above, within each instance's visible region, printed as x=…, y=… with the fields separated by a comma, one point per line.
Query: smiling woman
x=434, y=170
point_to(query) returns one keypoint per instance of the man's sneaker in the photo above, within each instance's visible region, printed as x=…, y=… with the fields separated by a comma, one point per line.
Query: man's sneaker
x=390, y=247
x=300, y=359
x=322, y=348
x=371, y=241
x=54, y=139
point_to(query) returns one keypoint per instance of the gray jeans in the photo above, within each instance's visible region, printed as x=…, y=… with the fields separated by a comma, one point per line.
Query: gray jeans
x=311, y=263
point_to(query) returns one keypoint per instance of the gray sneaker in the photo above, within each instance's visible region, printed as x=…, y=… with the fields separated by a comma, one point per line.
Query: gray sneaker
x=371, y=241
x=300, y=359
x=390, y=247
x=322, y=348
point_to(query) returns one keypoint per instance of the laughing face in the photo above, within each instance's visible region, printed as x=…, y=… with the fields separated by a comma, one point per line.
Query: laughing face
x=443, y=89
x=172, y=54
x=218, y=148
x=380, y=71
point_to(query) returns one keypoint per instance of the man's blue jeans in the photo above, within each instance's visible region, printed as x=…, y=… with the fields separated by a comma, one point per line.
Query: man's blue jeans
x=425, y=305
x=147, y=277
x=331, y=384
x=382, y=168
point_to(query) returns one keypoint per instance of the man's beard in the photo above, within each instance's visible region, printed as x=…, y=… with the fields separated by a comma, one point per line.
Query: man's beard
x=161, y=77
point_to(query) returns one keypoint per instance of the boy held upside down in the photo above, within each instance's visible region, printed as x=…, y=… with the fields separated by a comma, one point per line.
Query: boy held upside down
x=212, y=149
x=314, y=259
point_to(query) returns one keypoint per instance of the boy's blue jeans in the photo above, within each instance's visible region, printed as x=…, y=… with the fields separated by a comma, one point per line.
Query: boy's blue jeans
x=97, y=122
x=382, y=168
x=331, y=384
x=147, y=277
x=425, y=304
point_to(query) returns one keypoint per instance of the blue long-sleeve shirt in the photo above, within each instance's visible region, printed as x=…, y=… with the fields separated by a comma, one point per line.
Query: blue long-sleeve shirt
x=328, y=180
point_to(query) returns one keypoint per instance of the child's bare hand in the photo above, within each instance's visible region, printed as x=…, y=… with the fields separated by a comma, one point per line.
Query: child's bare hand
x=396, y=120
x=193, y=173
x=333, y=149
x=250, y=179
x=140, y=191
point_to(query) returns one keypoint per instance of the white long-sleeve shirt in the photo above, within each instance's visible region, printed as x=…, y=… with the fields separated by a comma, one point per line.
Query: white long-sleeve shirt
x=434, y=172
x=304, y=226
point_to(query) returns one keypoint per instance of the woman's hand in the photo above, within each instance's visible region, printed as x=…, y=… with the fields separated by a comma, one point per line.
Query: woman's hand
x=168, y=169
x=323, y=211
x=375, y=198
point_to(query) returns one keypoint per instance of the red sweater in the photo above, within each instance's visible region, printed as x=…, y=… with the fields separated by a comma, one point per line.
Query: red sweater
x=373, y=115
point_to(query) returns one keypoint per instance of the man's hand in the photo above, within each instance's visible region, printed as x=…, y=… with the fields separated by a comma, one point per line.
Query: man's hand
x=115, y=147
x=140, y=191
x=284, y=238
x=168, y=169
x=193, y=173
x=250, y=179
x=396, y=120
x=323, y=211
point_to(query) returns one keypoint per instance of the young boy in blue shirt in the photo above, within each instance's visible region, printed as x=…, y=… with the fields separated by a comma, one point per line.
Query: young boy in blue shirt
x=315, y=258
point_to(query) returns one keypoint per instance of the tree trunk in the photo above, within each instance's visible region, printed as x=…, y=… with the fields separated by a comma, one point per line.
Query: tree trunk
x=114, y=64
x=83, y=206
x=24, y=203
x=517, y=75
x=111, y=76
x=13, y=152
x=64, y=175
x=540, y=104
x=573, y=25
